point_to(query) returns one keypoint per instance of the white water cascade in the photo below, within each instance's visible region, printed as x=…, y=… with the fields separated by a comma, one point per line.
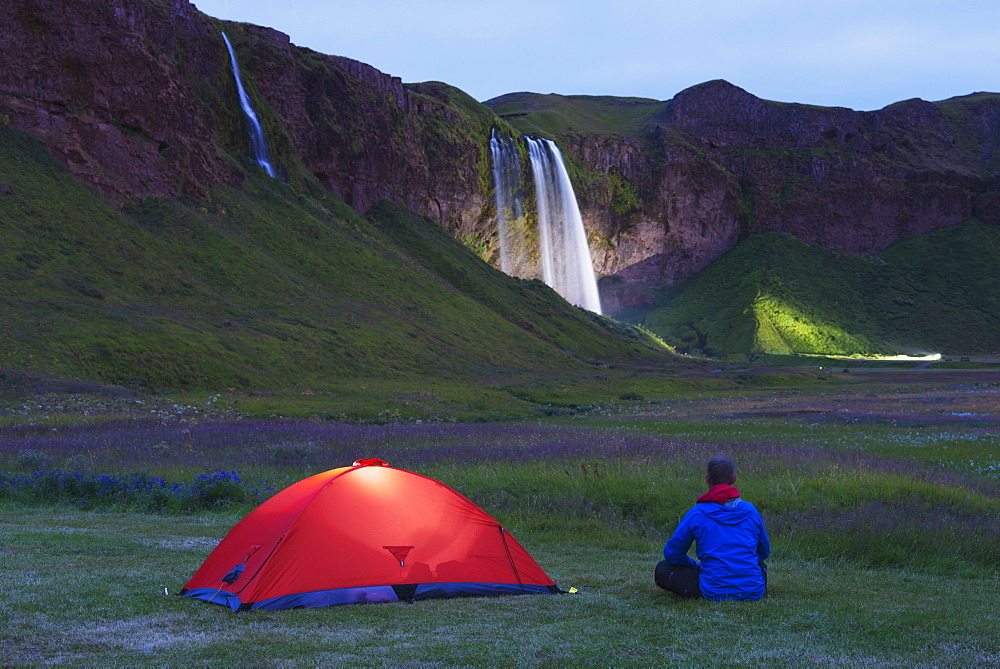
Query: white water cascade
x=258, y=144
x=510, y=213
x=566, y=264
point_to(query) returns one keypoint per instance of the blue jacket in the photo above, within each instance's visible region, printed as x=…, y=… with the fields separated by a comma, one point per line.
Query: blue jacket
x=731, y=541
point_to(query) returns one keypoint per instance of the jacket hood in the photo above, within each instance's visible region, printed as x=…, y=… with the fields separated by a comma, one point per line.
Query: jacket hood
x=732, y=512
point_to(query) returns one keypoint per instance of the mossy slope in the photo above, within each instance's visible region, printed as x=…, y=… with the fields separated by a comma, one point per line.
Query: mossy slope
x=555, y=115
x=258, y=287
x=773, y=293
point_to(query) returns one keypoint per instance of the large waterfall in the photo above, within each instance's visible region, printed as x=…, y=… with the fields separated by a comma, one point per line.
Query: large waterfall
x=258, y=144
x=566, y=263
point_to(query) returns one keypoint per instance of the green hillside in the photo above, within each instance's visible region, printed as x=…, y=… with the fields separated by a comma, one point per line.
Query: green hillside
x=554, y=115
x=259, y=287
x=773, y=293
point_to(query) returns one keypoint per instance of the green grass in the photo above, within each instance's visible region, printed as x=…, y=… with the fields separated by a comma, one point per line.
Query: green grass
x=878, y=496
x=556, y=115
x=777, y=295
x=88, y=588
x=945, y=423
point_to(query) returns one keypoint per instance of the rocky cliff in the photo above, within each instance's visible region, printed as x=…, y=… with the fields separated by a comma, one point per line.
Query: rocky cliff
x=716, y=164
x=100, y=84
x=137, y=98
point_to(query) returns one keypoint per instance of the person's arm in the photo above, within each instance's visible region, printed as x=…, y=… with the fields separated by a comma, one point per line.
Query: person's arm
x=675, y=551
x=763, y=543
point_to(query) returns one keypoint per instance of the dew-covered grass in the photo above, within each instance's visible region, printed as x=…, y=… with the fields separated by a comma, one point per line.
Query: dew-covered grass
x=88, y=588
x=882, y=502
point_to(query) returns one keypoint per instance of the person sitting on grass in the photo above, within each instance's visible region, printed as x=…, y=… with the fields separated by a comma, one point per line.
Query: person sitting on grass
x=730, y=541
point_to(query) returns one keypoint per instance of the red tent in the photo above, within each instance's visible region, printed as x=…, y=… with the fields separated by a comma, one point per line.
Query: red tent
x=365, y=533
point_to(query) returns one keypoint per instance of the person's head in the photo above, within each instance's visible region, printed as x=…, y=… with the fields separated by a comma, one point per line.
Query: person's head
x=720, y=470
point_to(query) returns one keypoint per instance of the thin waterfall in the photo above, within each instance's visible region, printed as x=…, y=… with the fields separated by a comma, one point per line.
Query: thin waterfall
x=566, y=263
x=510, y=212
x=258, y=144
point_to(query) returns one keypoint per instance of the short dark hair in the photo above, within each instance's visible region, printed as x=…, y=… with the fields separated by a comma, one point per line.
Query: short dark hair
x=721, y=470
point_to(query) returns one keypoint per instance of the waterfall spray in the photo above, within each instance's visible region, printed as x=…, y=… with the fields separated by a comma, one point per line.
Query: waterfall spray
x=566, y=264
x=510, y=213
x=258, y=144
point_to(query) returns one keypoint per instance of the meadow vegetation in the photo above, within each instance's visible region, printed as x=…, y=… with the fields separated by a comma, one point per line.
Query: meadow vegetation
x=882, y=499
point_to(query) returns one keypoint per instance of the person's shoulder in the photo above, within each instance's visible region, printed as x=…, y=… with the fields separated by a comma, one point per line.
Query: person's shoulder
x=749, y=507
x=696, y=511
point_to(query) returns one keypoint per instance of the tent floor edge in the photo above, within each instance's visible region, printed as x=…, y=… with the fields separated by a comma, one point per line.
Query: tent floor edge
x=446, y=590
x=213, y=596
x=401, y=592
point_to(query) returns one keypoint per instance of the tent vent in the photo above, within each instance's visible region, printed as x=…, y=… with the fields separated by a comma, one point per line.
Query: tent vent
x=370, y=462
x=399, y=552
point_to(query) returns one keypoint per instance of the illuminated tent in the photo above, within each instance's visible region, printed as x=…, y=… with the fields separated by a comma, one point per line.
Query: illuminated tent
x=365, y=533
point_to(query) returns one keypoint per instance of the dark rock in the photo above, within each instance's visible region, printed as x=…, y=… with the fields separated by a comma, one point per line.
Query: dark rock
x=717, y=164
x=137, y=98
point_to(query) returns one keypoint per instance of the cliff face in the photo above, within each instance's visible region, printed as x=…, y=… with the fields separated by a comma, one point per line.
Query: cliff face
x=854, y=181
x=138, y=98
x=98, y=82
x=366, y=136
x=715, y=164
x=679, y=215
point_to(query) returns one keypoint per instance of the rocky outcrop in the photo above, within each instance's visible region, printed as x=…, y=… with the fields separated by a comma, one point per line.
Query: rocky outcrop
x=715, y=164
x=98, y=82
x=679, y=216
x=365, y=135
x=853, y=181
x=137, y=98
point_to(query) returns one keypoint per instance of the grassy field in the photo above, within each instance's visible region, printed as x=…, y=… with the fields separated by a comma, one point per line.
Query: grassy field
x=88, y=588
x=882, y=498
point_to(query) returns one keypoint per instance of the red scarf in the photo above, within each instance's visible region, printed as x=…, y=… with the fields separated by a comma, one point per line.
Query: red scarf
x=720, y=494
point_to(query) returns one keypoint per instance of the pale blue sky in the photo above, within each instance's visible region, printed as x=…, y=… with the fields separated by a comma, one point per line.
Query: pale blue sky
x=862, y=54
